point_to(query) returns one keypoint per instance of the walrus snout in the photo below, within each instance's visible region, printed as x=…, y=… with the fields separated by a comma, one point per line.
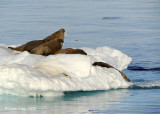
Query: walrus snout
x=65, y=33
x=63, y=30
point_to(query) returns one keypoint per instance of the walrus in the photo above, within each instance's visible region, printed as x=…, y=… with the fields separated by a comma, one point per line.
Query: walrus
x=102, y=64
x=49, y=47
x=71, y=51
x=32, y=44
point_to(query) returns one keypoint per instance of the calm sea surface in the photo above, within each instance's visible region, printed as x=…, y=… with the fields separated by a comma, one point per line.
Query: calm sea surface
x=132, y=26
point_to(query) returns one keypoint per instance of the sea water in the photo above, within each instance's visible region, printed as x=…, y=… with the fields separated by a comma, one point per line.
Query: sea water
x=115, y=32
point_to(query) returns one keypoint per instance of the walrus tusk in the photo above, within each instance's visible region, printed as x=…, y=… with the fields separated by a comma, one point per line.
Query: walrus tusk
x=61, y=44
x=65, y=34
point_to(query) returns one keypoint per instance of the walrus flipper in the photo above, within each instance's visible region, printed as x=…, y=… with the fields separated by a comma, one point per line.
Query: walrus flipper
x=20, y=48
x=102, y=64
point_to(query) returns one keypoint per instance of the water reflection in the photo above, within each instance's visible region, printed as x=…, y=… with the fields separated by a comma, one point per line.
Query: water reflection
x=72, y=102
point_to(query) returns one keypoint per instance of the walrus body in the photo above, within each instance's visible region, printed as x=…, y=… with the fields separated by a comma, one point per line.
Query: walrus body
x=32, y=44
x=102, y=64
x=71, y=51
x=49, y=47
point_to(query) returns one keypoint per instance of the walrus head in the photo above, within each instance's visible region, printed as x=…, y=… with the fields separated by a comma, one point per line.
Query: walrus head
x=59, y=34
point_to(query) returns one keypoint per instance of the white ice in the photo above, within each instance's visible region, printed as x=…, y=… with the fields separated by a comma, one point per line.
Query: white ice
x=25, y=74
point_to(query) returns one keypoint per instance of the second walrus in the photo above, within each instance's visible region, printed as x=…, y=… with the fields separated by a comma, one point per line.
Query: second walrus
x=48, y=48
x=32, y=44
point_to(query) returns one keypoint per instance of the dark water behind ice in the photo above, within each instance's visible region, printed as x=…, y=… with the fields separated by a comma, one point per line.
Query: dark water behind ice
x=130, y=26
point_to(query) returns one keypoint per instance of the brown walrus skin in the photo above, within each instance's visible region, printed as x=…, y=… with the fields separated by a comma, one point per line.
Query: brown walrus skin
x=32, y=44
x=102, y=64
x=71, y=51
x=49, y=47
